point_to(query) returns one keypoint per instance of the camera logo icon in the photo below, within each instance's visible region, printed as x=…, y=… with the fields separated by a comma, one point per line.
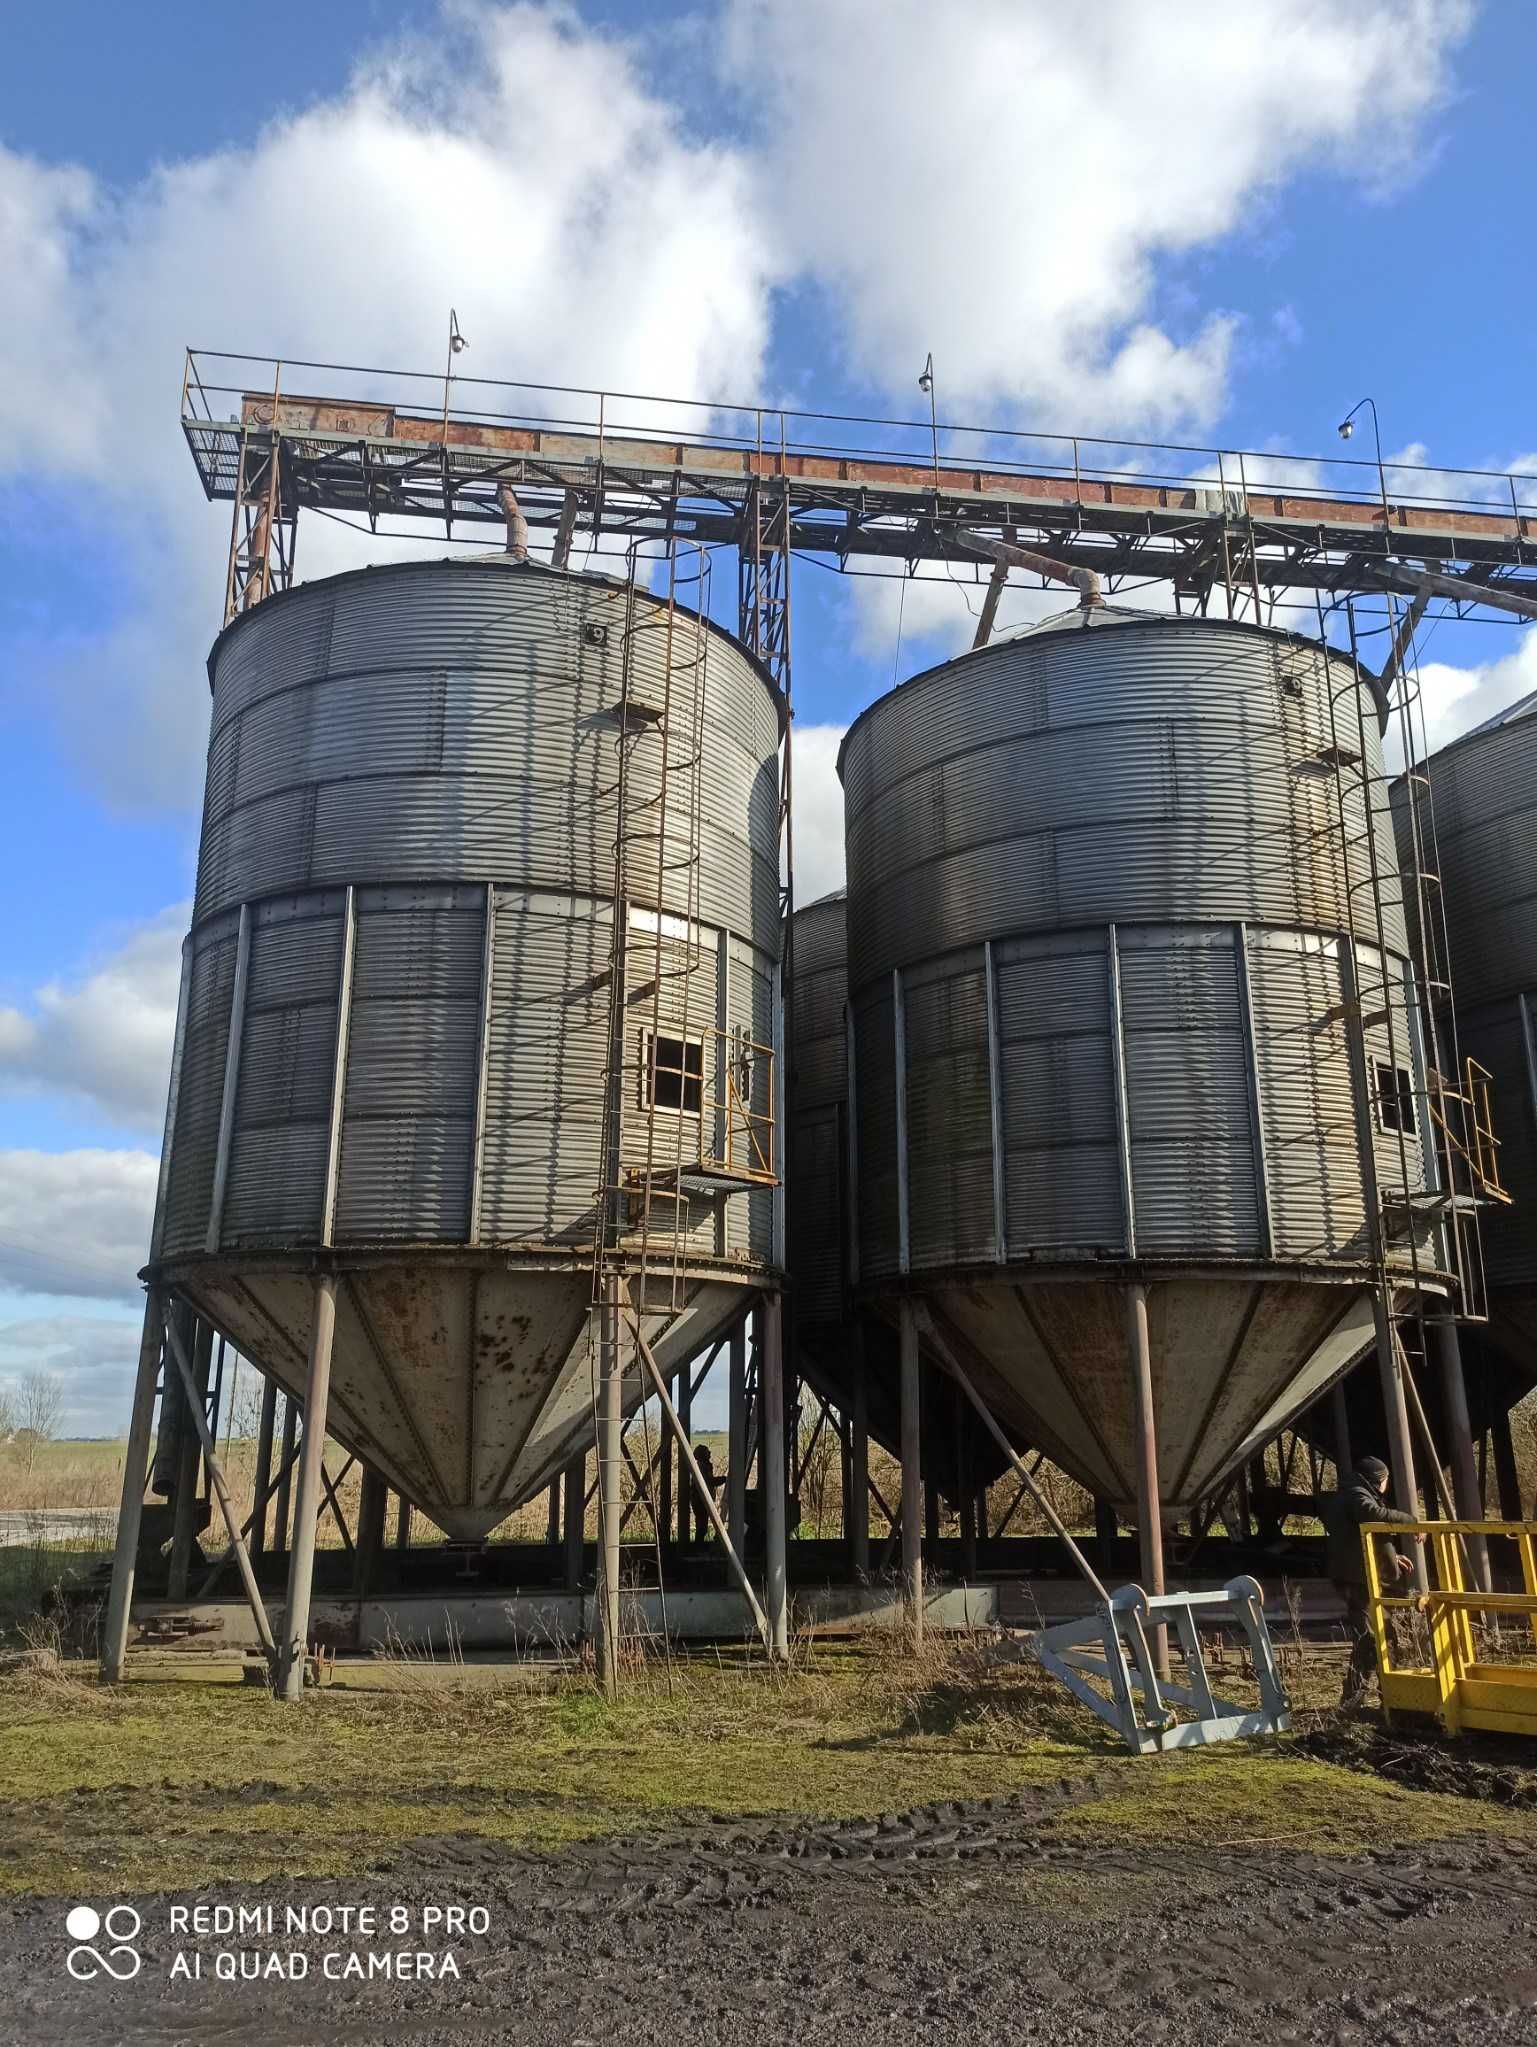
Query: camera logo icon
x=121, y=1961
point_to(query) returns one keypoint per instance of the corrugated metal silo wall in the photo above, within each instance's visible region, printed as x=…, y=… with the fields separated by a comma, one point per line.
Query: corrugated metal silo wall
x=1483, y=792
x=440, y=737
x=818, y=1192
x=1108, y=822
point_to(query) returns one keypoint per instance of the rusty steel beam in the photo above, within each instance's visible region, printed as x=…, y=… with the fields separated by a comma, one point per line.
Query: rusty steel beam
x=302, y=418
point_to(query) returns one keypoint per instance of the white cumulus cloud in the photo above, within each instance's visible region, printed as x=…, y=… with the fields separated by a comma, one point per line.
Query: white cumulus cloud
x=75, y=1223
x=513, y=164
x=103, y=1036
x=818, y=812
x=1000, y=182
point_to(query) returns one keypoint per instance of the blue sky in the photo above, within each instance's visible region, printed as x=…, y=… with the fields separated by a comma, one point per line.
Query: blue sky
x=1222, y=227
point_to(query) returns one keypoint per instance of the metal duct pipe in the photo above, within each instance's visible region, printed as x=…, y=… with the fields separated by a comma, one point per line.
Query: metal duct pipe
x=517, y=525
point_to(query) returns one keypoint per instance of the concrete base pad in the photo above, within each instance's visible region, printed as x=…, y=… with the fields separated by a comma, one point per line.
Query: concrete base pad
x=558, y=1623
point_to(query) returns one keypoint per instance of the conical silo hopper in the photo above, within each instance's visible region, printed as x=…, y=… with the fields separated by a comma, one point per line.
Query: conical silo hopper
x=1106, y=925
x=397, y=1013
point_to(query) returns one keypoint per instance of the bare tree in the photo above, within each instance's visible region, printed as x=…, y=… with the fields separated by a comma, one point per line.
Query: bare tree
x=39, y=1407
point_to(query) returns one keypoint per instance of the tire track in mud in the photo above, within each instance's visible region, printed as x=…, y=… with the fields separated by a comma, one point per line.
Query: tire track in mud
x=976, y=1922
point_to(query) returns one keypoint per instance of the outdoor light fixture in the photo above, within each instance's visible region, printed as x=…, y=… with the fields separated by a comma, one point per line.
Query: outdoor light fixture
x=456, y=340
x=926, y=375
x=1347, y=428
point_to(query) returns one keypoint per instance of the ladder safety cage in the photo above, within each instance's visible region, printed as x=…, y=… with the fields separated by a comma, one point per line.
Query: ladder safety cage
x=1426, y=1210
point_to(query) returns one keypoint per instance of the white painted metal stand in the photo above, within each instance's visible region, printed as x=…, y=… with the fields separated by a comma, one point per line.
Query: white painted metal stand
x=1114, y=1647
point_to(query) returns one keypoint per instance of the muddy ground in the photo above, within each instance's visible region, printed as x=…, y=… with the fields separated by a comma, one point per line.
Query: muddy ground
x=981, y=1923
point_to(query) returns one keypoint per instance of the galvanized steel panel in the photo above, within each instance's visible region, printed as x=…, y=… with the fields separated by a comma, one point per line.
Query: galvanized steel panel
x=1061, y=1163
x=1137, y=771
x=1483, y=790
x=440, y=719
x=1493, y=1035
x=1307, y=1101
x=409, y=1102
x=546, y=1040
x=949, y=1114
x=818, y=1190
x=1192, y=1141
x=201, y=1092
x=876, y=1104
x=283, y=1093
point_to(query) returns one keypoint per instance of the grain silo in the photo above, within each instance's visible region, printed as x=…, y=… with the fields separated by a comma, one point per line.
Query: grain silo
x=1136, y=1054
x=850, y=1353
x=480, y=994
x=1481, y=821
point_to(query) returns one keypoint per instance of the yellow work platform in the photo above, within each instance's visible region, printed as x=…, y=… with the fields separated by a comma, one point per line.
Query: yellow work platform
x=1482, y=1645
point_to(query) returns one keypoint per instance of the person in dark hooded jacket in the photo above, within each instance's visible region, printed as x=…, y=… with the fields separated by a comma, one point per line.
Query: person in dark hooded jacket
x=1361, y=1498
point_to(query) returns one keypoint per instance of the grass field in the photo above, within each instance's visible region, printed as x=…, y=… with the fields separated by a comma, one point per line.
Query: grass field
x=183, y=1782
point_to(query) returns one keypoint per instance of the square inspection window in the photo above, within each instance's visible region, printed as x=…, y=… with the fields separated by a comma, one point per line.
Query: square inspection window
x=1395, y=1099
x=675, y=1074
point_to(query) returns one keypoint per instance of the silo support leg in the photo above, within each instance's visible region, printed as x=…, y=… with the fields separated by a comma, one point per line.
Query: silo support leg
x=705, y=1496
x=373, y=1503
x=736, y=1447
x=1149, y=1513
x=301, y=1553
x=265, y=1430
x=574, y=1506
x=280, y=1513
x=184, y=1502
x=859, y=1467
x=1507, y=1478
x=1344, y=1456
x=114, y=1646
x=219, y=1487
x=1396, y=1409
x=772, y=1479
x=912, y=1506
x=610, y=1489
x=1465, y=1487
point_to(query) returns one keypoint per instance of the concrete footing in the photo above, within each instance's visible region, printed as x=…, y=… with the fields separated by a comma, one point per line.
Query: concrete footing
x=550, y=1622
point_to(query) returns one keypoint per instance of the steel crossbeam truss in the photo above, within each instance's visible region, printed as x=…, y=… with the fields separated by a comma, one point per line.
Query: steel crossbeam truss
x=1251, y=526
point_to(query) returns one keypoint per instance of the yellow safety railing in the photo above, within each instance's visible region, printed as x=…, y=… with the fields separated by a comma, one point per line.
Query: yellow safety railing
x=1479, y=1674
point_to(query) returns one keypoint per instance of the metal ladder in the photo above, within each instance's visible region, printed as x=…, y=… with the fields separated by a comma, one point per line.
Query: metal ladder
x=1451, y=1124
x=642, y=1223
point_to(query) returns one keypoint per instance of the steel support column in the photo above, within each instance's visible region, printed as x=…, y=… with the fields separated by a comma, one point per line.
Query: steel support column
x=859, y=1462
x=373, y=1504
x=281, y=1514
x=771, y=1477
x=188, y=1460
x=912, y=1501
x=1396, y=1409
x=1149, y=1512
x=1507, y=1478
x=574, y=1507
x=265, y=1429
x=736, y=1441
x=114, y=1647
x=301, y=1555
x=1459, y=1428
x=610, y=1487
x=1344, y=1456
